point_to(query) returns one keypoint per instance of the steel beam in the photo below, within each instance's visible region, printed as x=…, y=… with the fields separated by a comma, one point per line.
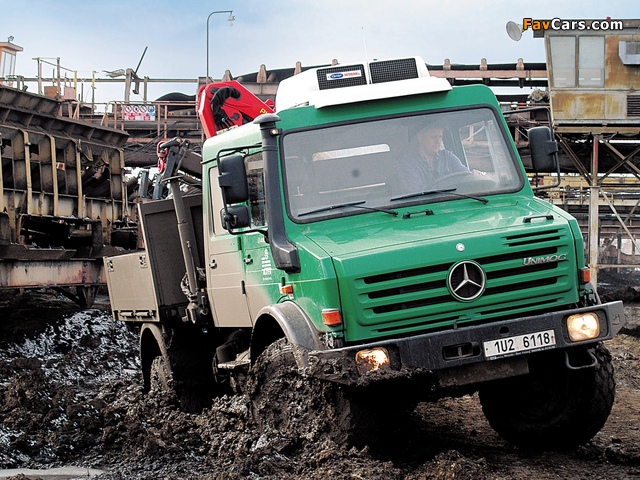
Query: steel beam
x=594, y=192
x=30, y=273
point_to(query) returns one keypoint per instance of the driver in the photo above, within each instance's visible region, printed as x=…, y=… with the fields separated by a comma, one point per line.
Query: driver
x=432, y=161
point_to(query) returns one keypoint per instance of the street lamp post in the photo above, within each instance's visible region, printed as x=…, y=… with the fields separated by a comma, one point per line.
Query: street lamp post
x=230, y=19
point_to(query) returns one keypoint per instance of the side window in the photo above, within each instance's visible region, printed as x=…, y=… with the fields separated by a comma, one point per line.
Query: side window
x=589, y=53
x=487, y=153
x=563, y=61
x=591, y=62
x=254, y=166
x=477, y=148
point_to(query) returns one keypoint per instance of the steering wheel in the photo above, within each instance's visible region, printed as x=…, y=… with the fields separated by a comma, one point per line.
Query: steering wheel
x=460, y=179
x=451, y=179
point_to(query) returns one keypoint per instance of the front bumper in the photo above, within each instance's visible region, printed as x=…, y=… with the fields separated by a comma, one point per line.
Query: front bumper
x=460, y=348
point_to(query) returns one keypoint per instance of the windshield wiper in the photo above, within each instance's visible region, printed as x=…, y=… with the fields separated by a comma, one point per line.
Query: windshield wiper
x=434, y=192
x=349, y=204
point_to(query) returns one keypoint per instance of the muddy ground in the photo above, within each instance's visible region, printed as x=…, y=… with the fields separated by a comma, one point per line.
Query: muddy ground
x=70, y=394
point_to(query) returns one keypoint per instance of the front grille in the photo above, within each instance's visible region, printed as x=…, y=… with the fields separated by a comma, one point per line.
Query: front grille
x=420, y=298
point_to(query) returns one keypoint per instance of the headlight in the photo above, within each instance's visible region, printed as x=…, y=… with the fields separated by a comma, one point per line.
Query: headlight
x=372, y=360
x=585, y=326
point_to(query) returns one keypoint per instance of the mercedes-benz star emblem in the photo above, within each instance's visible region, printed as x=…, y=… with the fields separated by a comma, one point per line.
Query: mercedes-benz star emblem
x=466, y=281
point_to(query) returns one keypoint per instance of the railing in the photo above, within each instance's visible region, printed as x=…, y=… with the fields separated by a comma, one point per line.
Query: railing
x=162, y=116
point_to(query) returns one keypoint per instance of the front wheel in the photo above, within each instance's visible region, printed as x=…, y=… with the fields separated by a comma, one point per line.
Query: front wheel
x=302, y=406
x=553, y=407
x=286, y=401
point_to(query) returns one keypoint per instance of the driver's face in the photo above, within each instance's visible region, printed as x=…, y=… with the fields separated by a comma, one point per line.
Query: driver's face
x=430, y=141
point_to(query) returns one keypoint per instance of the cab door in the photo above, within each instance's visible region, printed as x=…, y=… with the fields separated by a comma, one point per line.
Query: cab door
x=225, y=266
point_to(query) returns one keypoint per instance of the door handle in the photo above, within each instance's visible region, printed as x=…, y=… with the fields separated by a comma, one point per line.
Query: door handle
x=213, y=264
x=248, y=260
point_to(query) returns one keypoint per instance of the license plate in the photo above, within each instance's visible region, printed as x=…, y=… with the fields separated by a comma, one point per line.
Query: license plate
x=520, y=343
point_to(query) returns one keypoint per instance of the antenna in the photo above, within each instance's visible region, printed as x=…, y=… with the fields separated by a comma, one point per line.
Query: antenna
x=364, y=42
x=140, y=62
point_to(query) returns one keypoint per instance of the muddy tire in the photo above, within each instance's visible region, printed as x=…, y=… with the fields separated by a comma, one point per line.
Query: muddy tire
x=191, y=394
x=553, y=407
x=160, y=378
x=181, y=369
x=295, y=405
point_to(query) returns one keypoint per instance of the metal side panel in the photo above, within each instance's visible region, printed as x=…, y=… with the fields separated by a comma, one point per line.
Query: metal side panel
x=162, y=244
x=131, y=288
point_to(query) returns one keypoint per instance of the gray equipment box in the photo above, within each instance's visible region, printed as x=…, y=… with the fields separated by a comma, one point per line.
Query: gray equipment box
x=144, y=286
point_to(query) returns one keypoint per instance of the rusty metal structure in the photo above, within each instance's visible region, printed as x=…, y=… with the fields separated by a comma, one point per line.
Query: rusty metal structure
x=64, y=199
x=594, y=91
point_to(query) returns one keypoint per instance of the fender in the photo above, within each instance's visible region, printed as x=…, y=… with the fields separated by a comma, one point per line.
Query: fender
x=289, y=320
x=149, y=351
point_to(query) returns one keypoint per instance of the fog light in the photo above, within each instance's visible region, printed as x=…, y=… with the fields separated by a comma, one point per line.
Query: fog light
x=585, y=326
x=372, y=360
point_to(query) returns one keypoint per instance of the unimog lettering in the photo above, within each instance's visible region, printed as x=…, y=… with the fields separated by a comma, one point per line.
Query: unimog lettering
x=549, y=259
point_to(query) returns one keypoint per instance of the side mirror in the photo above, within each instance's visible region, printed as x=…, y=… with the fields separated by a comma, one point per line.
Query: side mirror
x=235, y=216
x=232, y=178
x=543, y=149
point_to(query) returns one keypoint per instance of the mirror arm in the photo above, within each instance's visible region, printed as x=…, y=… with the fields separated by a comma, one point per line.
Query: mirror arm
x=229, y=228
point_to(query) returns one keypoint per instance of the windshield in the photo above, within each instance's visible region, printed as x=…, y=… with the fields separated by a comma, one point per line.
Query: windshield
x=393, y=162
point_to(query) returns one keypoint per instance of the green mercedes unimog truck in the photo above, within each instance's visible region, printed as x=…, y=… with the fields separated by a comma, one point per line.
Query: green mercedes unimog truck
x=377, y=231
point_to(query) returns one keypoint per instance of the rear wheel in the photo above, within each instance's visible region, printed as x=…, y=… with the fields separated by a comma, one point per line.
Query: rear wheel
x=160, y=377
x=553, y=407
x=182, y=365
